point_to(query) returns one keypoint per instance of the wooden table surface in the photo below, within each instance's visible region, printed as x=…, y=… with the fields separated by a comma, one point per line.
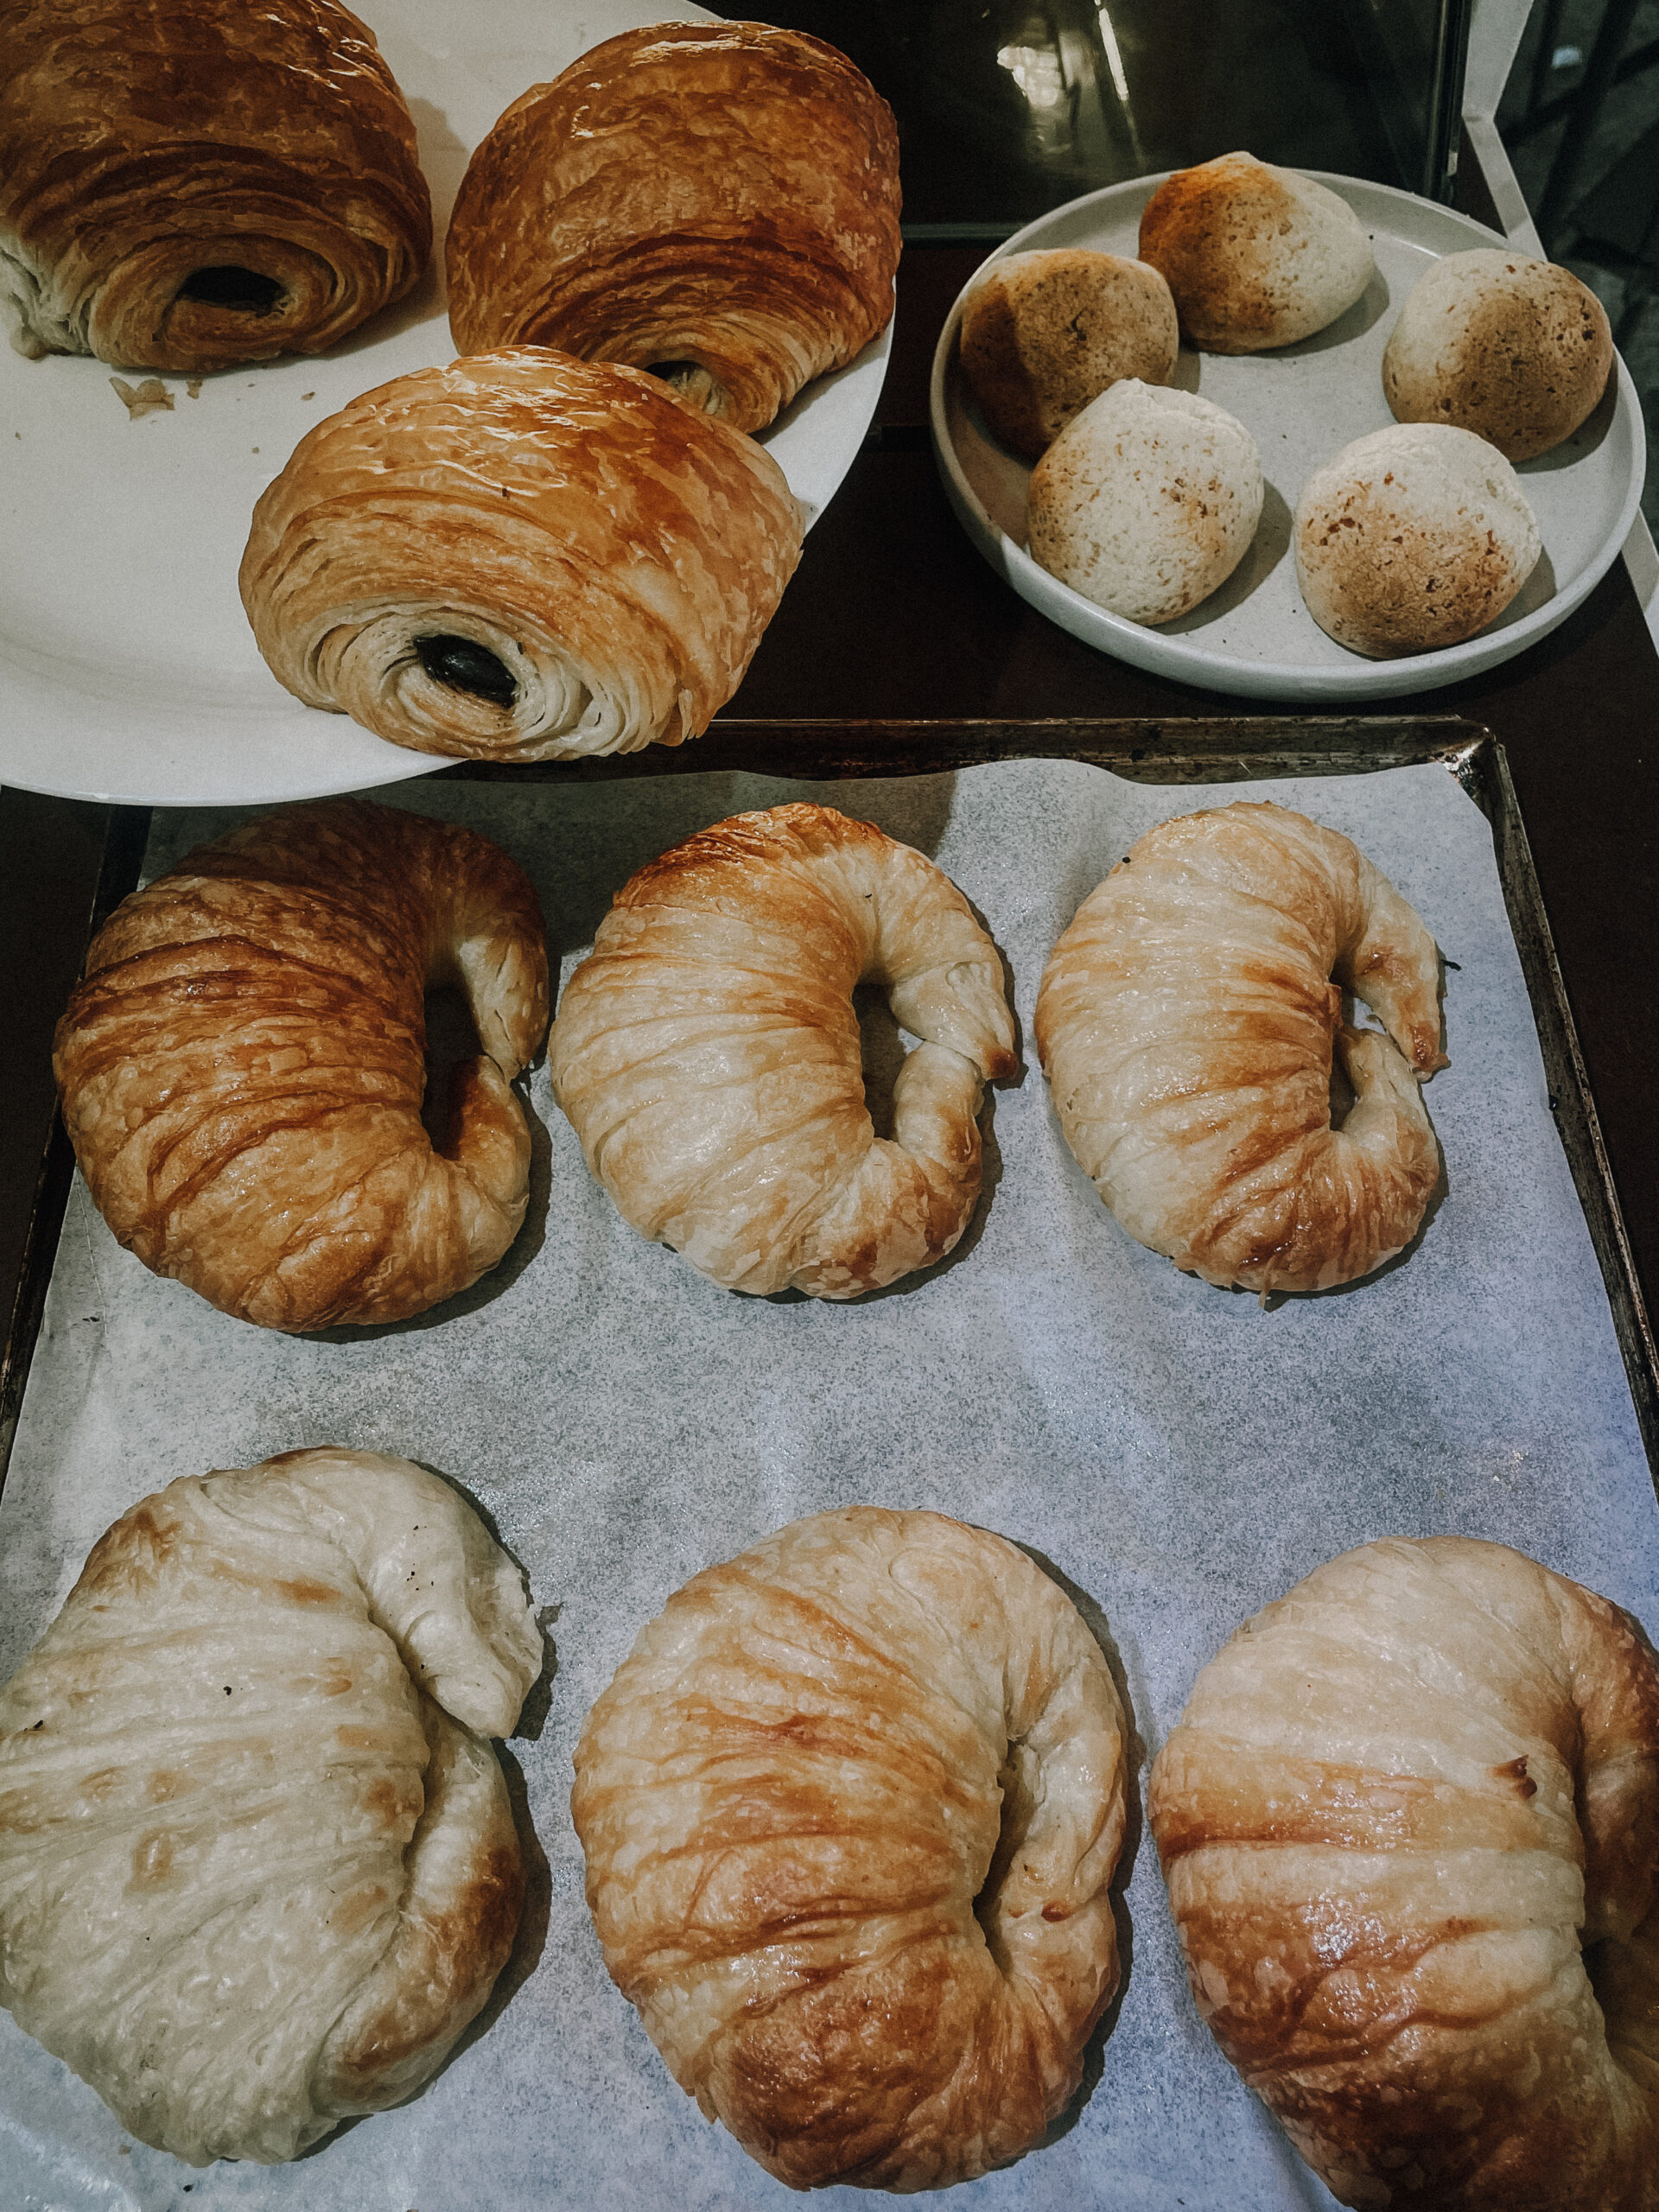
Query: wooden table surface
x=893, y=614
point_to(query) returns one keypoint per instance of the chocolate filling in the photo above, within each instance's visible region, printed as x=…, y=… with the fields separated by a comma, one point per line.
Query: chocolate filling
x=465, y=665
x=225, y=285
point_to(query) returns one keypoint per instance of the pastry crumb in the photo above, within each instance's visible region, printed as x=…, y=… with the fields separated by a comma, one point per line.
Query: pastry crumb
x=145, y=399
x=193, y=390
x=307, y=395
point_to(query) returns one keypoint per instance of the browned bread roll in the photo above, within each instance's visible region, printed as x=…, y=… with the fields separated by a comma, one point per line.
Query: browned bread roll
x=521, y=557
x=1187, y=1021
x=706, y=1054
x=1044, y=333
x=242, y=1070
x=1410, y=1826
x=1516, y=349
x=1412, y=539
x=1256, y=256
x=716, y=202
x=849, y=1811
x=184, y=184
x=257, y=1866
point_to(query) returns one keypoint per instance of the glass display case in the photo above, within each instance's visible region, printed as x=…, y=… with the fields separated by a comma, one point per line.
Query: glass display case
x=1007, y=108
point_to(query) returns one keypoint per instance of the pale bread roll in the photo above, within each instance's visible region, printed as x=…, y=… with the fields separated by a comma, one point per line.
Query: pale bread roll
x=1412, y=538
x=1146, y=501
x=1044, y=333
x=1513, y=348
x=1256, y=256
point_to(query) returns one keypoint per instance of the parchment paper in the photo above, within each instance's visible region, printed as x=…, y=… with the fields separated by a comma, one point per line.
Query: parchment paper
x=1180, y=1454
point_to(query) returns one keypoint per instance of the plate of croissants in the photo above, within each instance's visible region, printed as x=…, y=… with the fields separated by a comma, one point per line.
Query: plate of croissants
x=1285, y=435
x=450, y=385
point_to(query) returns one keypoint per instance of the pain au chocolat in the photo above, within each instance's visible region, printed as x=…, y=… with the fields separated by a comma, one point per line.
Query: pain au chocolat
x=716, y=202
x=521, y=557
x=187, y=184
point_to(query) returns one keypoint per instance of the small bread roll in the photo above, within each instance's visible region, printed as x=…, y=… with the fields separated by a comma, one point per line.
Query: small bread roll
x=1411, y=539
x=849, y=1810
x=1409, y=1822
x=1514, y=348
x=1044, y=333
x=1146, y=501
x=257, y=1862
x=1256, y=256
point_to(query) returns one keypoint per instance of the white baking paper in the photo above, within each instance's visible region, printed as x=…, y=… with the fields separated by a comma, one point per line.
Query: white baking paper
x=1180, y=1454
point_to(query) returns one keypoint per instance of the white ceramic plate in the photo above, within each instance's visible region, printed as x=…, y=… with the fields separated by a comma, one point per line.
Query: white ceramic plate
x=1254, y=636
x=127, y=668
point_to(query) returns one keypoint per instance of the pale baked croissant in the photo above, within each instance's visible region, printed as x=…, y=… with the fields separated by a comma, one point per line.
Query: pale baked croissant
x=258, y=1865
x=184, y=184
x=706, y=1054
x=716, y=202
x=521, y=557
x=849, y=1812
x=241, y=1068
x=1187, y=1021
x=1410, y=1826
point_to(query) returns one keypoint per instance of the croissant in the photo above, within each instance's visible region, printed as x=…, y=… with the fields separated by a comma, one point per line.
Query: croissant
x=716, y=202
x=1187, y=1021
x=520, y=557
x=186, y=184
x=706, y=1054
x=241, y=1070
x=849, y=1811
x=1410, y=1826
x=257, y=1866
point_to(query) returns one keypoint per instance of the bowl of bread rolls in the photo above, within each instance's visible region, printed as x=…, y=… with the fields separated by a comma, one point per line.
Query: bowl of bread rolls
x=1285, y=435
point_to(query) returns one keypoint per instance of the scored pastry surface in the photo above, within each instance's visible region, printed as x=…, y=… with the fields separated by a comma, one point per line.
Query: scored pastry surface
x=1409, y=1822
x=258, y=1865
x=706, y=1054
x=242, y=1070
x=1187, y=1020
x=849, y=1810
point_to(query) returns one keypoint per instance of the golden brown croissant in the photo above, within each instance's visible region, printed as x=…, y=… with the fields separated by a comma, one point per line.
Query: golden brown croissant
x=1410, y=1826
x=241, y=1068
x=716, y=202
x=706, y=1054
x=257, y=1866
x=521, y=557
x=1187, y=1021
x=849, y=1811
x=188, y=183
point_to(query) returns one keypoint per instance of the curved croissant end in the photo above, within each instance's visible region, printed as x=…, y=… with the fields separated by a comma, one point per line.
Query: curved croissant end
x=191, y=183
x=1187, y=1020
x=706, y=1054
x=1409, y=1822
x=849, y=1810
x=520, y=557
x=242, y=1070
x=716, y=202
x=253, y=1877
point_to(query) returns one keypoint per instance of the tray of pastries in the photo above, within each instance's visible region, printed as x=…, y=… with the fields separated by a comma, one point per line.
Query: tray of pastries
x=987, y=1526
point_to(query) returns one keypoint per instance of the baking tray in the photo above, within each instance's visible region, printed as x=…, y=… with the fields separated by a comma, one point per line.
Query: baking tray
x=1179, y=1491
x=1168, y=750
